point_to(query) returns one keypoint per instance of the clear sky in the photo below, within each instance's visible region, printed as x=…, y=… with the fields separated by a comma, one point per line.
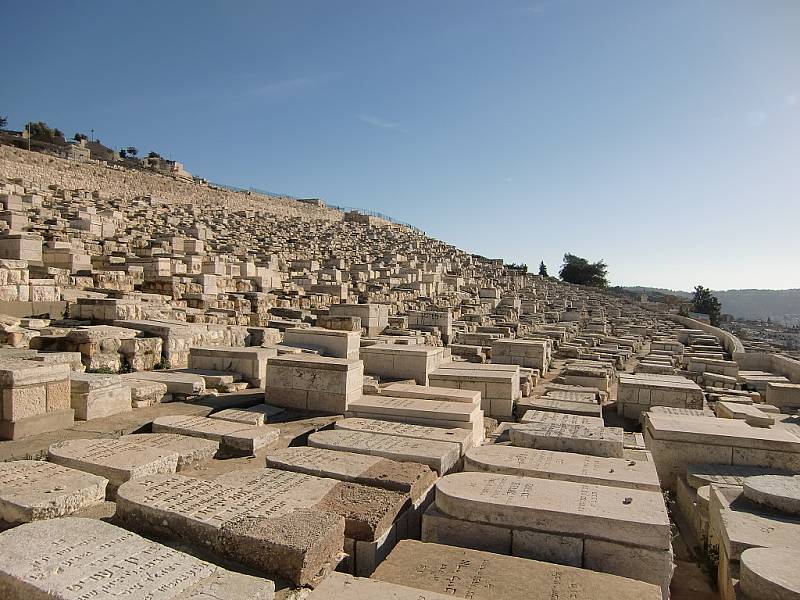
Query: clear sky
x=661, y=136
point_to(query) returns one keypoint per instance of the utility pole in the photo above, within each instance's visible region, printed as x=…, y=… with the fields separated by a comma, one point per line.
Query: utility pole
x=92, y=132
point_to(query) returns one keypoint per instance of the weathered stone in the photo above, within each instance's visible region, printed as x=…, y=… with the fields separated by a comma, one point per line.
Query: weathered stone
x=254, y=415
x=563, y=466
x=770, y=573
x=596, y=441
x=34, y=490
x=231, y=436
x=634, y=517
x=190, y=450
x=405, y=477
x=440, y=456
x=116, y=460
x=781, y=493
x=463, y=437
x=74, y=558
x=466, y=573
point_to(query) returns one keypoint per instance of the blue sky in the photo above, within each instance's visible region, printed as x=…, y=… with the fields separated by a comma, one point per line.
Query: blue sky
x=662, y=137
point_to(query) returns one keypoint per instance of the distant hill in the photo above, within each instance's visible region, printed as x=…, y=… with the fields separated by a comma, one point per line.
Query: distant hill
x=746, y=304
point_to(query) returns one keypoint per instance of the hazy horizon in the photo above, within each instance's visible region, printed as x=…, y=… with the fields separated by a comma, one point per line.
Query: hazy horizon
x=660, y=137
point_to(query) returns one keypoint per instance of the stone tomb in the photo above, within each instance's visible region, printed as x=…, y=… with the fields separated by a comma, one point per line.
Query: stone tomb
x=439, y=456
x=770, y=574
x=314, y=383
x=407, y=478
x=339, y=586
x=427, y=392
x=465, y=573
x=775, y=492
x=541, y=416
x=32, y=490
x=252, y=415
x=737, y=524
x=338, y=344
x=563, y=466
x=637, y=393
x=95, y=395
x=74, y=558
x=595, y=441
x=232, y=437
x=499, y=385
x=613, y=530
x=35, y=398
x=392, y=361
x=462, y=437
x=249, y=363
x=113, y=459
x=677, y=441
x=433, y=413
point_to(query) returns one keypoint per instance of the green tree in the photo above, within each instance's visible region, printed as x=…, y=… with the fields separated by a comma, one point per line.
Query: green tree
x=153, y=154
x=80, y=136
x=41, y=131
x=579, y=270
x=123, y=153
x=132, y=150
x=3, y=121
x=543, y=269
x=705, y=303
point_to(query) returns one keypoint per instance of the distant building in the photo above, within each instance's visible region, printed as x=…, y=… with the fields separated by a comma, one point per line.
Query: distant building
x=170, y=168
x=78, y=150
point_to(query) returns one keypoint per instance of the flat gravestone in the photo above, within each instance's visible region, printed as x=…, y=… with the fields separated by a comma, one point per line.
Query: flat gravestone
x=339, y=586
x=541, y=416
x=770, y=573
x=275, y=529
x=781, y=493
x=632, y=517
x=440, y=456
x=705, y=474
x=32, y=490
x=74, y=558
x=563, y=466
x=369, y=512
x=596, y=441
x=463, y=437
x=235, y=437
x=465, y=573
x=414, y=407
x=116, y=460
x=190, y=450
x=253, y=415
x=585, y=409
x=405, y=477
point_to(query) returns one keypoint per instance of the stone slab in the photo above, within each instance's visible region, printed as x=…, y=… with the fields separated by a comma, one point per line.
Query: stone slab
x=406, y=477
x=274, y=528
x=541, y=416
x=74, y=558
x=339, y=586
x=634, y=517
x=116, y=460
x=563, y=466
x=465, y=573
x=33, y=490
x=190, y=450
x=776, y=492
x=234, y=437
x=700, y=475
x=414, y=407
x=770, y=573
x=596, y=441
x=462, y=437
x=252, y=415
x=440, y=456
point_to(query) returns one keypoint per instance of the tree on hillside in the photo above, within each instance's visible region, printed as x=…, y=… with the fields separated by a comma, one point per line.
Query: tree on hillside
x=3, y=121
x=579, y=270
x=80, y=136
x=543, y=269
x=705, y=303
x=43, y=132
x=153, y=154
x=132, y=150
x=123, y=153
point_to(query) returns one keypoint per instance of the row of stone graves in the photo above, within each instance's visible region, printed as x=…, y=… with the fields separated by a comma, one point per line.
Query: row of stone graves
x=211, y=394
